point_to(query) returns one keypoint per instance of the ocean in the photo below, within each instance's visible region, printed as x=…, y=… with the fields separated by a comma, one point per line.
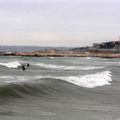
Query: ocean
x=60, y=88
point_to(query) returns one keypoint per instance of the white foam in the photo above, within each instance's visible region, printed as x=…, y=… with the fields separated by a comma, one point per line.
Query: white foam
x=51, y=57
x=11, y=64
x=52, y=66
x=90, y=81
x=92, y=67
x=88, y=57
x=19, y=79
x=6, y=77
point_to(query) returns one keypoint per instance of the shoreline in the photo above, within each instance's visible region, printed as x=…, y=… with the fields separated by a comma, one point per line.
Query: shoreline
x=63, y=54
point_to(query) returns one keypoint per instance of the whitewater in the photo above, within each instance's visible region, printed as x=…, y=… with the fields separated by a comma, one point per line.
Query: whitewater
x=59, y=88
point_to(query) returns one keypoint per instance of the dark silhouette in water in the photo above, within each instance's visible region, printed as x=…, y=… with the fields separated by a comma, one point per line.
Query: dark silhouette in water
x=23, y=67
x=28, y=64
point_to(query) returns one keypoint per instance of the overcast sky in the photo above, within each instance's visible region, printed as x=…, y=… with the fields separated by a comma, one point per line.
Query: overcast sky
x=58, y=22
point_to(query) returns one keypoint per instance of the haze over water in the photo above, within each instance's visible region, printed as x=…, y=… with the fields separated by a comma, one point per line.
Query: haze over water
x=70, y=23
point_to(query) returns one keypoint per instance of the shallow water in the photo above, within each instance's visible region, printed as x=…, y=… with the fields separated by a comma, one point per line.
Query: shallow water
x=59, y=88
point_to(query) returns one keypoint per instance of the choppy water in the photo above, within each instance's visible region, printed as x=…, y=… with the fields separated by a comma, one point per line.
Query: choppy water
x=59, y=88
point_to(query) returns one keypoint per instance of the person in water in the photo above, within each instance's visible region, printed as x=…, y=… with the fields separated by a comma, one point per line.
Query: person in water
x=28, y=64
x=23, y=67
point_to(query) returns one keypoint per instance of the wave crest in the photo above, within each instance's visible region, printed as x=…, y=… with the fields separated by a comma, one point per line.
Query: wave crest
x=88, y=81
x=52, y=66
x=11, y=64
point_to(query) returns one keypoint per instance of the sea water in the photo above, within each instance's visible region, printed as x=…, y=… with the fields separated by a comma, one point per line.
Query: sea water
x=61, y=88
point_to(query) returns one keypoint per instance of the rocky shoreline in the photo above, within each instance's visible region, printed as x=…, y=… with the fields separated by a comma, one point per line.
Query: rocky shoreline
x=109, y=49
x=63, y=54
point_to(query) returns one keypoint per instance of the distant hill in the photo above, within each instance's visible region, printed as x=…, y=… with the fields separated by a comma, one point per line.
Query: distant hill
x=28, y=48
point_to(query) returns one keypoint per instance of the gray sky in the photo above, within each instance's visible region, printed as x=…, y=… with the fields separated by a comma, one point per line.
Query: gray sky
x=58, y=22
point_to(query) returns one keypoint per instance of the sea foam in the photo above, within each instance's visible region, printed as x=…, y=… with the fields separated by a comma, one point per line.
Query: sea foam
x=11, y=64
x=90, y=81
x=63, y=67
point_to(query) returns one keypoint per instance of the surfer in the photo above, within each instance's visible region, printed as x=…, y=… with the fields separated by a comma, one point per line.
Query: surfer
x=23, y=67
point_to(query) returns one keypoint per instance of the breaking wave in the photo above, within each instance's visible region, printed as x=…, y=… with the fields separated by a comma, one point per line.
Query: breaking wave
x=88, y=81
x=19, y=86
x=10, y=64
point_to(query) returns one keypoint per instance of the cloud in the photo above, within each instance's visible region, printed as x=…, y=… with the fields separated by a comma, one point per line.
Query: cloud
x=58, y=22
